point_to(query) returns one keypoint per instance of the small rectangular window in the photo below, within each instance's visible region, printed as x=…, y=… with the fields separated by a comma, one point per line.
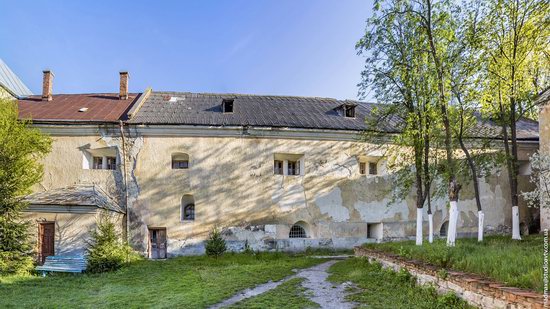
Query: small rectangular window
x=293, y=168
x=349, y=111
x=111, y=163
x=362, y=168
x=278, y=167
x=228, y=105
x=372, y=168
x=180, y=164
x=98, y=163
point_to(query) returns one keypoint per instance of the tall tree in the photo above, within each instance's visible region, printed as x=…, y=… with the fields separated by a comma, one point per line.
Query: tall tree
x=397, y=68
x=517, y=65
x=437, y=24
x=21, y=147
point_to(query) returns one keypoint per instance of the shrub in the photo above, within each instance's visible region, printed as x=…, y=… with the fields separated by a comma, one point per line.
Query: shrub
x=215, y=244
x=15, y=263
x=106, y=251
x=247, y=249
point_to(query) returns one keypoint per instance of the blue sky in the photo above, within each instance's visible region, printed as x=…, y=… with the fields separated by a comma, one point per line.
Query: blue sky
x=294, y=47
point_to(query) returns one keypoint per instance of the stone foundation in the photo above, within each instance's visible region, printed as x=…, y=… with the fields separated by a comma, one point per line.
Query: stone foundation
x=476, y=290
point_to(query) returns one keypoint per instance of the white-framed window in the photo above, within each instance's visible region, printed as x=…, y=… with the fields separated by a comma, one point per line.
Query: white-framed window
x=293, y=168
x=180, y=161
x=100, y=158
x=278, y=167
x=288, y=164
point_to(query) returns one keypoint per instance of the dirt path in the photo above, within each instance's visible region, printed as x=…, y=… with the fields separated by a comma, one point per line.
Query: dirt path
x=322, y=292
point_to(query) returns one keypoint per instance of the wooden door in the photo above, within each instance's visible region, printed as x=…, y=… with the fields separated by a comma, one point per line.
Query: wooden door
x=157, y=243
x=46, y=239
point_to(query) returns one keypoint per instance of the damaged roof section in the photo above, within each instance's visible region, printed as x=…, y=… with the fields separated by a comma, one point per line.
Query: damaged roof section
x=76, y=195
x=94, y=107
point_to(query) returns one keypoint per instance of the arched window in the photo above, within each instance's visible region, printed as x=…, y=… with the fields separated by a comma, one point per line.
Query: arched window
x=189, y=212
x=180, y=161
x=297, y=231
x=444, y=229
x=187, y=208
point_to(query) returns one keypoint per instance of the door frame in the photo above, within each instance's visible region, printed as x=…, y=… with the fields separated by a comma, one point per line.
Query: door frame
x=40, y=237
x=149, y=246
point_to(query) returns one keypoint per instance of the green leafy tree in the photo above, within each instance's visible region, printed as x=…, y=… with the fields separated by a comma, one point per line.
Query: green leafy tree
x=21, y=148
x=517, y=67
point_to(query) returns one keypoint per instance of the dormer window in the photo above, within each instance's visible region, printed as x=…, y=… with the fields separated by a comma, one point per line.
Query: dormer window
x=349, y=111
x=228, y=105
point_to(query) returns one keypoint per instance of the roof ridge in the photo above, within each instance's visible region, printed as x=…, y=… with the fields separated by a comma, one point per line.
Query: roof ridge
x=261, y=95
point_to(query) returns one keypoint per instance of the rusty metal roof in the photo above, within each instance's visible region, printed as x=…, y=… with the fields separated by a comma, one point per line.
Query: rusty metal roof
x=92, y=107
x=76, y=195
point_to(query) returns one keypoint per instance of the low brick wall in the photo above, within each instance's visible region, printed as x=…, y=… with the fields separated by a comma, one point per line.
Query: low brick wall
x=477, y=291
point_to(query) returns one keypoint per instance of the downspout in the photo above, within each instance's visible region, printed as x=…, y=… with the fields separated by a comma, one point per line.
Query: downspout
x=125, y=183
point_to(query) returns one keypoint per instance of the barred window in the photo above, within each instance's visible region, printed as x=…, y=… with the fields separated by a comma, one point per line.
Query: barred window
x=111, y=163
x=297, y=231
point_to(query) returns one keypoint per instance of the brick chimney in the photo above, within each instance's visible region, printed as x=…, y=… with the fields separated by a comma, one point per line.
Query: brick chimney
x=123, y=95
x=47, y=84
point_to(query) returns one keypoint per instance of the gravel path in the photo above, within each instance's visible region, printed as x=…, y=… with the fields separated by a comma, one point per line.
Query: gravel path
x=322, y=292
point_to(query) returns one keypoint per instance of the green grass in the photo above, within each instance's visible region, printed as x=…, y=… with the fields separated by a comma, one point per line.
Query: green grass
x=381, y=288
x=289, y=295
x=514, y=263
x=184, y=282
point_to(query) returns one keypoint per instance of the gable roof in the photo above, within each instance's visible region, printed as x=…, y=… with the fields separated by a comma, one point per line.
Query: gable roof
x=205, y=109
x=12, y=83
x=76, y=195
x=101, y=107
x=253, y=110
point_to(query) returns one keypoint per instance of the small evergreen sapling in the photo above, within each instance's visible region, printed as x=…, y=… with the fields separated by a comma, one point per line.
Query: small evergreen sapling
x=215, y=245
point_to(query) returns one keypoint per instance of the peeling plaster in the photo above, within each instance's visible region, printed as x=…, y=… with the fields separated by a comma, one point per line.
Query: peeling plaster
x=331, y=205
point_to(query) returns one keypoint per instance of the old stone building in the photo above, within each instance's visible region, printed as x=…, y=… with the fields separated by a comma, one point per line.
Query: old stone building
x=276, y=172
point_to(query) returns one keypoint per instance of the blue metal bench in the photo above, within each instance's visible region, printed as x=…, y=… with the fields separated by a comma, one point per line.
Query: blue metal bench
x=68, y=264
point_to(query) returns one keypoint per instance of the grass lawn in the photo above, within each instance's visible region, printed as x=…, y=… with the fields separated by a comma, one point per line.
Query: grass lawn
x=289, y=295
x=184, y=282
x=514, y=263
x=382, y=288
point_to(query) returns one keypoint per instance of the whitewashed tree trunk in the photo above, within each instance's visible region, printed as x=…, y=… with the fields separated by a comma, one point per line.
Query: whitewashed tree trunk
x=419, y=226
x=480, y=217
x=515, y=223
x=431, y=228
x=453, y=220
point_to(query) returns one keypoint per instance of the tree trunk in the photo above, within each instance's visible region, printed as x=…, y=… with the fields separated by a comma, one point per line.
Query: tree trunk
x=473, y=170
x=514, y=173
x=454, y=187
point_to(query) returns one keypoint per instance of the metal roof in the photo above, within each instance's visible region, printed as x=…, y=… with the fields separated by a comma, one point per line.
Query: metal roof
x=11, y=82
x=94, y=107
x=76, y=195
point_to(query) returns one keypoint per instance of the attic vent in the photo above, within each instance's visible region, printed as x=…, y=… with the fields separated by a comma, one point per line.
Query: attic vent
x=228, y=105
x=349, y=111
x=83, y=109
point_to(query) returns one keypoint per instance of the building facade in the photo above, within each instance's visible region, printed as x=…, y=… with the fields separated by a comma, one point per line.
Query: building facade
x=273, y=172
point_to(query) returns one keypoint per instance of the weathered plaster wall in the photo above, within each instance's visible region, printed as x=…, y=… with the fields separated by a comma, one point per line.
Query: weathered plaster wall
x=232, y=182
x=234, y=188
x=72, y=230
x=63, y=165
